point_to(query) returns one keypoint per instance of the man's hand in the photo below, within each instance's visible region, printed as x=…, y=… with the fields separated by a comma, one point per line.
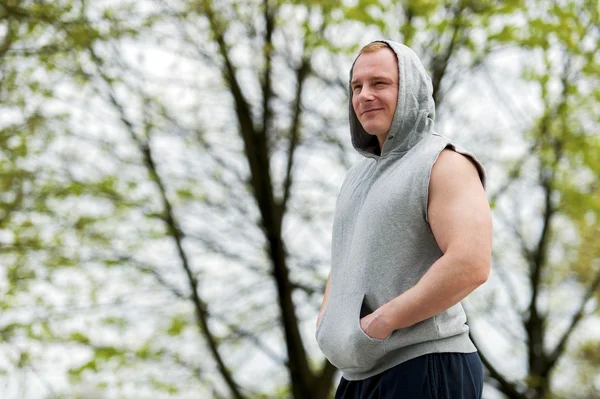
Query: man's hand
x=376, y=326
x=319, y=317
x=325, y=301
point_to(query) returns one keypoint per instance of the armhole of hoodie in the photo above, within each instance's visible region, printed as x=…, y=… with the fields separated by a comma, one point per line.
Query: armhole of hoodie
x=468, y=155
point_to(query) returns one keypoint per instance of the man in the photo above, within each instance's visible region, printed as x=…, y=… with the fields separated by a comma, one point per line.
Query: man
x=412, y=237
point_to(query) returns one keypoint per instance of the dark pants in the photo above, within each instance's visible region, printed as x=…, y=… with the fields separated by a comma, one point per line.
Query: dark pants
x=436, y=376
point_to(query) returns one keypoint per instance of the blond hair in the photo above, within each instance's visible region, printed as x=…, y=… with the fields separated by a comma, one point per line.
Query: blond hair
x=373, y=47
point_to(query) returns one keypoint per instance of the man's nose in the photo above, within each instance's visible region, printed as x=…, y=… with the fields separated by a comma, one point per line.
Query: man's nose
x=366, y=94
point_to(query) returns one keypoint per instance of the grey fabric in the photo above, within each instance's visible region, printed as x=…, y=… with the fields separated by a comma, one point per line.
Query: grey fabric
x=382, y=243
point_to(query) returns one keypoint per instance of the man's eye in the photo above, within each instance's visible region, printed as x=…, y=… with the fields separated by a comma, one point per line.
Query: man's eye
x=356, y=89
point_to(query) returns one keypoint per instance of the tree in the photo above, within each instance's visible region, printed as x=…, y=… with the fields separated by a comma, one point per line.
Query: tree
x=99, y=67
x=552, y=275
x=43, y=206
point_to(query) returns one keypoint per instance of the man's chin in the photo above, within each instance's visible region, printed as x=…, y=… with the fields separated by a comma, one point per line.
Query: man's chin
x=374, y=130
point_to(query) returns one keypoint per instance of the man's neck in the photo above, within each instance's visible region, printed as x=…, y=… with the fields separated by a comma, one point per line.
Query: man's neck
x=381, y=139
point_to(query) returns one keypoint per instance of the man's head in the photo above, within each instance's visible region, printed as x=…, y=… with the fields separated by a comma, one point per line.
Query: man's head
x=374, y=89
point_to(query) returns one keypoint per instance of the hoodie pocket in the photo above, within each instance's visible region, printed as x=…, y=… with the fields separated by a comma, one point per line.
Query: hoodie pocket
x=342, y=340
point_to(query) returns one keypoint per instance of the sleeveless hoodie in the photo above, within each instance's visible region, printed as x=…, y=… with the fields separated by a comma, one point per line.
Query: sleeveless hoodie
x=382, y=243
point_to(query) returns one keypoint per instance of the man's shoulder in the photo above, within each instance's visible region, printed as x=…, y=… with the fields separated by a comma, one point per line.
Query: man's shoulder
x=452, y=156
x=456, y=166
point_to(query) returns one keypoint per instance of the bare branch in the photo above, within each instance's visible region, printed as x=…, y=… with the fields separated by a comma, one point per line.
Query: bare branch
x=506, y=103
x=240, y=332
x=323, y=381
x=267, y=89
x=157, y=276
x=301, y=74
x=513, y=172
x=560, y=347
x=257, y=153
x=174, y=230
x=506, y=387
x=534, y=325
x=440, y=63
x=514, y=227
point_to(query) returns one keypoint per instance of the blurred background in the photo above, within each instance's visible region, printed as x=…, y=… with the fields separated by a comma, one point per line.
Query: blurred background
x=169, y=171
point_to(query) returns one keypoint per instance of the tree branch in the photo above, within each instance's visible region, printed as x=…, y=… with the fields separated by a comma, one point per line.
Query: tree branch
x=257, y=153
x=324, y=380
x=534, y=325
x=440, y=64
x=174, y=230
x=560, y=347
x=267, y=89
x=506, y=387
x=301, y=74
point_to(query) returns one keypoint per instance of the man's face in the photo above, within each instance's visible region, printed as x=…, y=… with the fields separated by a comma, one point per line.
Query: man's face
x=374, y=88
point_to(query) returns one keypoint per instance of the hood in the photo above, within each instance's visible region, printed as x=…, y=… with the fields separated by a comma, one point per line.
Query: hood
x=415, y=111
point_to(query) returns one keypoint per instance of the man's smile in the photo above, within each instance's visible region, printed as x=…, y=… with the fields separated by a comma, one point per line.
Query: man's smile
x=371, y=110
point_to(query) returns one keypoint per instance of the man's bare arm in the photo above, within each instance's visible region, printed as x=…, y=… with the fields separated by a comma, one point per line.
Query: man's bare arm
x=460, y=218
x=325, y=300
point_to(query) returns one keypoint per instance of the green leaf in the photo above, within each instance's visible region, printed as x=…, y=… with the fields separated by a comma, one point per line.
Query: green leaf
x=178, y=324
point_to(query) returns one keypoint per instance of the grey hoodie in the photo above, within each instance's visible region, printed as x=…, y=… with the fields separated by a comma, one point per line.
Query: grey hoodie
x=382, y=242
